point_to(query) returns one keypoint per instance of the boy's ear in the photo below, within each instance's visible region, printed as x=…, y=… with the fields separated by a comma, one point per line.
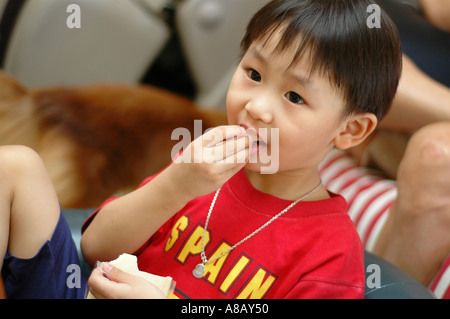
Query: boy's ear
x=355, y=130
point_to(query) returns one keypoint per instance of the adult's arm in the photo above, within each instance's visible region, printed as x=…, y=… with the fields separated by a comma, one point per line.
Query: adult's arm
x=420, y=100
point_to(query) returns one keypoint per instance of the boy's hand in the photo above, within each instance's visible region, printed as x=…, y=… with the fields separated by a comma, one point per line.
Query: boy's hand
x=204, y=166
x=113, y=283
x=211, y=159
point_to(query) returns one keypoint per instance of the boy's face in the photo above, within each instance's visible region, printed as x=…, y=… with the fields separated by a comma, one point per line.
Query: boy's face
x=267, y=92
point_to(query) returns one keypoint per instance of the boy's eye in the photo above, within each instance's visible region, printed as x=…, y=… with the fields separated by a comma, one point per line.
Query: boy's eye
x=254, y=75
x=294, y=97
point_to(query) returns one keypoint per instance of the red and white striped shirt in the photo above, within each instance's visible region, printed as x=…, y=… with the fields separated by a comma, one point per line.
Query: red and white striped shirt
x=370, y=198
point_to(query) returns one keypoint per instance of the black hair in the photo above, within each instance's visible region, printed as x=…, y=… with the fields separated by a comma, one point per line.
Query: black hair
x=362, y=60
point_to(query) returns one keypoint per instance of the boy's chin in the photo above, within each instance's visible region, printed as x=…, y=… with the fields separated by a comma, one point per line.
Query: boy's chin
x=257, y=167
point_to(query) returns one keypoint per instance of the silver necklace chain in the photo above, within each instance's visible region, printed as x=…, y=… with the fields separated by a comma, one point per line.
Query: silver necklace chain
x=200, y=268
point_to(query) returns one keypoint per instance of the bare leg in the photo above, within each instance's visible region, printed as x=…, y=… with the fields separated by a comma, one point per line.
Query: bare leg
x=29, y=207
x=416, y=236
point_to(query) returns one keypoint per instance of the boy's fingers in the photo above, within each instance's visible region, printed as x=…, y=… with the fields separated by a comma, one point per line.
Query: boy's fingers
x=99, y=285
x=240, y=156
x=222, y=133
x=229, y=150
x=116, y=275
x=225, y=141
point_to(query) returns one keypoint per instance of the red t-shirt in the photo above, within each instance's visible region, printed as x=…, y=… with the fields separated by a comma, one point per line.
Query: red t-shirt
x=312, y=251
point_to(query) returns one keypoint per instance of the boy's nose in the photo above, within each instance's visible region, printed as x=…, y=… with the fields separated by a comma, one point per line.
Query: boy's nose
x=261, y=109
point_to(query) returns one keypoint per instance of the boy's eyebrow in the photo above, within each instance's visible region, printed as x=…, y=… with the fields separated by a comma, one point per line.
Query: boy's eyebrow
x=306, y=82
x=257, y=54
x=303, y=80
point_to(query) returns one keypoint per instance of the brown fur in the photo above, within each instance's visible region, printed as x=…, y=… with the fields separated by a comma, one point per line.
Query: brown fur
x=97, y=140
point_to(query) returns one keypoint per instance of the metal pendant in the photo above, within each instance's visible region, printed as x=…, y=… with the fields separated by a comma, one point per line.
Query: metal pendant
x=199, y=271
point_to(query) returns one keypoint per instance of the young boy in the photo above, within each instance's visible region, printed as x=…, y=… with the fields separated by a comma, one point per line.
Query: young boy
x=315, y=73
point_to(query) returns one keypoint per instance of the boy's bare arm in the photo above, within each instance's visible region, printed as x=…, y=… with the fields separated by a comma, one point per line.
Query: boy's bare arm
x=125, y=224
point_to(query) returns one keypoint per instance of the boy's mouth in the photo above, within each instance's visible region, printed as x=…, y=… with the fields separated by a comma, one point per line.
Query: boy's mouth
x=258, y=142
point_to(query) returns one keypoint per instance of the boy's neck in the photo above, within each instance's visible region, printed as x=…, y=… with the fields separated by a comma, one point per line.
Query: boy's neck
x=288, y=185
